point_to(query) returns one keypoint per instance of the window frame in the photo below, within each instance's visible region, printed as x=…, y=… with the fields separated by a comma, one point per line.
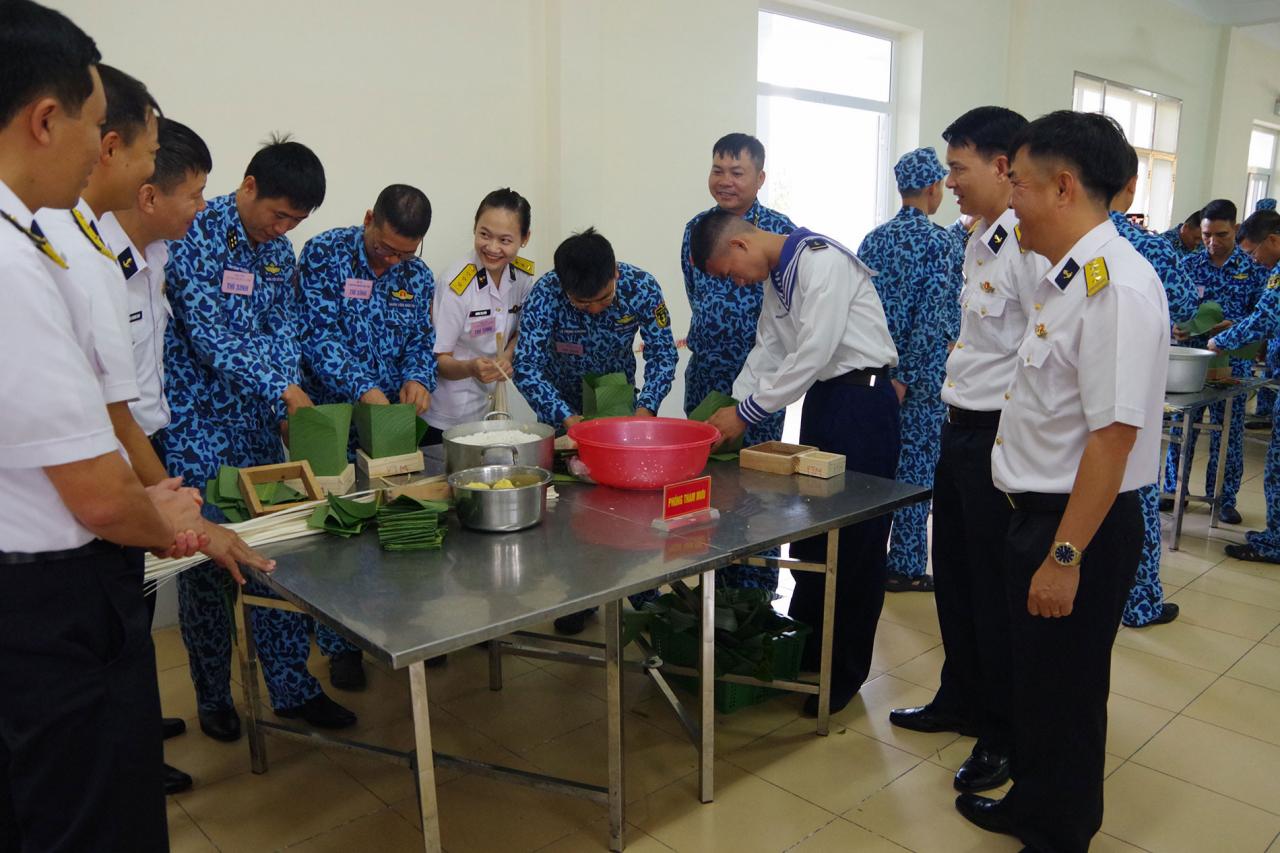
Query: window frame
x=1259, y=172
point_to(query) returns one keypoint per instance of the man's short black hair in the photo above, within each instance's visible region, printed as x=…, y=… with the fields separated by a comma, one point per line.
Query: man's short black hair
x=1193, y=219
x=1259, y=226
x=585, y=263
x=290, y=170
x=735, y=144
x=406, y=209
x=128, y=103
x=990, y=130
x=42, y=53
x=507, y=199
x=181, y=153
x=709, y=232
x=1219, y=210
x=1091, y=143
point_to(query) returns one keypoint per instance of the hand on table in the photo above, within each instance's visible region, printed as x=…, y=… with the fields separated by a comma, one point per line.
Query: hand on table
x=1053, y=589
x=227, y=549
x=416, y=395
x=730, y=425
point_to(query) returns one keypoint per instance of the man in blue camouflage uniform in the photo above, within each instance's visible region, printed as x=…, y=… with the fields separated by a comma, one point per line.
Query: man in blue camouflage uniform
x=1146, y=604
x=722, y=327
x=1226, y=275
x=1266, y=399
x=1260, y=238
x=582, y=318
x=919, y=274
x=366, y=334
x=1184, y=238
x=231, y=360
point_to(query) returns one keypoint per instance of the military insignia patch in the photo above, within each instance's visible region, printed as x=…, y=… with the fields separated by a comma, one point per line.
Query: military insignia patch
x=663, y=317
x=987, y=287
x=626, y=319
x=1096, y=276
x=127, y=266
x=402, y=295
x=1041, y=331
x=271, y=268
x=1068, y=272
x=232, y=239
x=1241, y=276
x=463, y=279
x=1273, y=282
x=524, y=265
x=997, y=238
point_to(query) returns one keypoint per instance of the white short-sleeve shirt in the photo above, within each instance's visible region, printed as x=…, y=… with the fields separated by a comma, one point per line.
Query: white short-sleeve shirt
x=54, y=413
x=1095, y=354
x=994, y=305
x=148, y=316
x=468, y=312
x=92, y=270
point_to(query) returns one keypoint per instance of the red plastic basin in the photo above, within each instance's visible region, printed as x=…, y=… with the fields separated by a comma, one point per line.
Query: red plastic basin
x=643, y=453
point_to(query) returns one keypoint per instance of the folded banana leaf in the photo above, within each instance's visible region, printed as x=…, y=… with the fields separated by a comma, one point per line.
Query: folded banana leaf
x=608, y=395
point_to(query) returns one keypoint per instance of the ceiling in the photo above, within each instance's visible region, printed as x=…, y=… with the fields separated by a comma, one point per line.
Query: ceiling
x=1259, y=18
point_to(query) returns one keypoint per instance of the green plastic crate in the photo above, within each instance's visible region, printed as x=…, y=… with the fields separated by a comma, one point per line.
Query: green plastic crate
x=682, y=650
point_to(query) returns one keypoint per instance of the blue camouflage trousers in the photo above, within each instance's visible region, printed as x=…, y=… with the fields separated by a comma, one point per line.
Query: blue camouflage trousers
x=1267, y=542
x=717, y=373
x=1146, y=598
x=921, y=420
x=194, y=449
x=1267, y=396
x=1234, y=470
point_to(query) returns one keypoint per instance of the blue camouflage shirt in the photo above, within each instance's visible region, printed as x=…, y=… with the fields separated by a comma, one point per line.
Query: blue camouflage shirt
x=919, y=274
x=1263, y=321
x=1178, y=288
x=958, y=230
x=1236, y=285
x=359, y=331
x=1174, y=238
x=724, y=315
x=559, y=344
x=232, y=347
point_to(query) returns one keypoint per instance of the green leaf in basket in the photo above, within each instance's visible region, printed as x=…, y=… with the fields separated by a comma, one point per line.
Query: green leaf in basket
x=319, y=435
x=386, y=430
x=608, y=395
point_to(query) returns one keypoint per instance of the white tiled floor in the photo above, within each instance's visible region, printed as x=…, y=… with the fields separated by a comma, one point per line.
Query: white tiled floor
x=1193, y=753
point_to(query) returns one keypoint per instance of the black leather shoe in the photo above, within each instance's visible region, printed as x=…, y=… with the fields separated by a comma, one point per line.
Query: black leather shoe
x=175, y=781
x=346, y=671
x=321, y=712
x=1229, y=515
x=172, y=727
x=982, y=771
x=222, y=724
x=1166, y=504
x=574, y=623
x=926, y=719
x=1247, y=552
x=985, y=813
x=841, y=695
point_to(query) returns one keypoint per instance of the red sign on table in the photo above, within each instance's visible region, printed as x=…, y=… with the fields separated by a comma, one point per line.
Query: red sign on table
x=686, y=498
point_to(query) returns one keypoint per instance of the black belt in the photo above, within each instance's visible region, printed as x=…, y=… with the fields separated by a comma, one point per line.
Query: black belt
x=1038, y=502
x=972, y=420
x=19, y=558
x=866, y=376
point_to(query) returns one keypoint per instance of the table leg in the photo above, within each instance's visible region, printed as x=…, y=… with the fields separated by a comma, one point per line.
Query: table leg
x=828, y=632
x=707, y=685
x=247, y=651
x=426, y=765
x=1182, y=486
x=495, y=664
x=1224, y=439
x=613, y=692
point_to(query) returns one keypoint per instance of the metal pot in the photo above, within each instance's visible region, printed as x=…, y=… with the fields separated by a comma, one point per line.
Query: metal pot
x=540, y=453
x=1188, y=367
x=501, y=509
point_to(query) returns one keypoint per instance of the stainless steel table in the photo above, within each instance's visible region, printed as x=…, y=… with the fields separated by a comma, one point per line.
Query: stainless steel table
x=1183, y=404
x=595, y=546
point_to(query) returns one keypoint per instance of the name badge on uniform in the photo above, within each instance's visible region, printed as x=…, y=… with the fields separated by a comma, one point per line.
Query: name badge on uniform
x=237, y=282
x=1200, y=290
x=481, y=326
x=566, y=348
x=357, y=288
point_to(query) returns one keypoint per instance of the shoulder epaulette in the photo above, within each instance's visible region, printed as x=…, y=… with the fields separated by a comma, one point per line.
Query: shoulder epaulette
x=524, y=265
x=463, y=279
x=1096, y=276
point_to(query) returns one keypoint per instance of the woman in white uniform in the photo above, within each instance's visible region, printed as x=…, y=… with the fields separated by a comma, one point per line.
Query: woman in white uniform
x=480, y=302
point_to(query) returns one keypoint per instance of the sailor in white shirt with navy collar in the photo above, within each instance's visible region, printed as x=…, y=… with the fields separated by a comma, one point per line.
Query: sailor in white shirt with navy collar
x=1077, y=438
x=822, y=335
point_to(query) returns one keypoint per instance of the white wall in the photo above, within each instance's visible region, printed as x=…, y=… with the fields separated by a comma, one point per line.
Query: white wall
x=1251, y=81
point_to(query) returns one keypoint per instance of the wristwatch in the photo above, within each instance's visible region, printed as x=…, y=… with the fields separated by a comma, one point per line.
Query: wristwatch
x=1066, y=554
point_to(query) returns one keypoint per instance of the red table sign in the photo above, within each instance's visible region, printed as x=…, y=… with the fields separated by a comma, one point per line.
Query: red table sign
x=686, y=498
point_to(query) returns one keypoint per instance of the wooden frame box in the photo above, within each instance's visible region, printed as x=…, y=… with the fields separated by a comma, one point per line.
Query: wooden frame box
x=775, y=457
x=819, y=463
x=284, y=472
x=339, y=484
x=382, y=466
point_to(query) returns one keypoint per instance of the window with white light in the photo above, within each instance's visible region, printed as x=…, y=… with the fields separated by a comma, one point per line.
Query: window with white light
x=1262, y=159
x=1150, y=122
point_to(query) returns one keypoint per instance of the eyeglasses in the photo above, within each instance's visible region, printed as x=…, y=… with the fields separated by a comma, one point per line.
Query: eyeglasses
x=599, y=300
x=382, y=250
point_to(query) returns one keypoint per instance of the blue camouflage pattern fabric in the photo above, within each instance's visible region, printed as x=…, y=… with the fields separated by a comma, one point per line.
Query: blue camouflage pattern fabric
x=919, y=275
x=961, y=232
x=1263, y=322
x=918, y=169
x=558, y=344
x=1265, y=204
x=1146, y=597
x=353, y=343
x=1174, y=238
x=722, y=326
x=1236, y=286
x=231, y=349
